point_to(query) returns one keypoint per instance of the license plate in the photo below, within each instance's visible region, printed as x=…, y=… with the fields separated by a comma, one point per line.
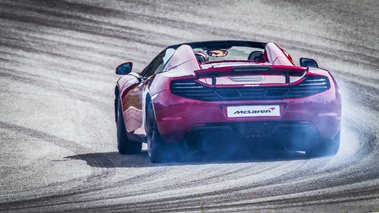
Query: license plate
x=253, y=111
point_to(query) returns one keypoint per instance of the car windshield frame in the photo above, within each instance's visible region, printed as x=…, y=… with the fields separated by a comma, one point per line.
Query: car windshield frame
x=235, y=50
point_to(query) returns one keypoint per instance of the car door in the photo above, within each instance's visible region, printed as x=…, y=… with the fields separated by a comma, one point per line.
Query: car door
x=133, y=114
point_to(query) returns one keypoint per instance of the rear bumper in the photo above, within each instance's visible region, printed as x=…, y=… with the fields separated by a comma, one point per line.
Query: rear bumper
x=318, y=116
x=281, y=135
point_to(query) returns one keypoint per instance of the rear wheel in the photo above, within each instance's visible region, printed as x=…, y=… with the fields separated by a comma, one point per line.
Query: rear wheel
x=125, y=146
x=325, y=147
x=155, y=144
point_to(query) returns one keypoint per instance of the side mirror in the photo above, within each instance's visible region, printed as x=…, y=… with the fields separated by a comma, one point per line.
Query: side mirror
x=124, y=68
x=308, y=62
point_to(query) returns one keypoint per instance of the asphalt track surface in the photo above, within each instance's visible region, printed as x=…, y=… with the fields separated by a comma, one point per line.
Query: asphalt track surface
x=57, y=131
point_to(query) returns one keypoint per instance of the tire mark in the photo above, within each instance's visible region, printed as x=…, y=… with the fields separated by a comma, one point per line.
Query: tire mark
x=90, y=185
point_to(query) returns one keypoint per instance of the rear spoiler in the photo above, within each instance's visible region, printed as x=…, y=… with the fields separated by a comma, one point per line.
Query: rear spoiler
x=252, y=70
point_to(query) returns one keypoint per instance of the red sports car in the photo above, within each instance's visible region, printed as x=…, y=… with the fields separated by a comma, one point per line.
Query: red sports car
x=201, y=92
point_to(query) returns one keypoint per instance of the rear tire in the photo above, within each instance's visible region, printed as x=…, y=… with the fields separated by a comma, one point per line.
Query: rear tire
x=325, y=147
x=155, y=145
x=124, y=145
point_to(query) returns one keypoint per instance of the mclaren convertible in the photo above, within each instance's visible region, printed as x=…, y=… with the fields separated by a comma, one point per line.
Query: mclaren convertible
x=222, y=92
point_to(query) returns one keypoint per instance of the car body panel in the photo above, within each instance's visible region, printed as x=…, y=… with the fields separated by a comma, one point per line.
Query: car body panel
x=320, y=110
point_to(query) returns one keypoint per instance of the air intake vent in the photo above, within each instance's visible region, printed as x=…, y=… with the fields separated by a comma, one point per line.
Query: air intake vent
x=311, y=85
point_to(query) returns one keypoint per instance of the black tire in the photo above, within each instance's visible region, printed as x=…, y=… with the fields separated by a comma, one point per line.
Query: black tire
x=155, y=145
x=124, y=145
x=325, y=147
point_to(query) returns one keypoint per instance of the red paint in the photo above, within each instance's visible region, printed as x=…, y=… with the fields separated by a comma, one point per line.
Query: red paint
x=176, y=115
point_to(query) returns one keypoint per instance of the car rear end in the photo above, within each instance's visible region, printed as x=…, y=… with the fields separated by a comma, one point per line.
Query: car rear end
x=285, y=107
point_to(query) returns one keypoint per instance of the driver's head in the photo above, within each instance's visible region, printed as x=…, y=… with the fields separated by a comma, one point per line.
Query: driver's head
x=217, y=53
